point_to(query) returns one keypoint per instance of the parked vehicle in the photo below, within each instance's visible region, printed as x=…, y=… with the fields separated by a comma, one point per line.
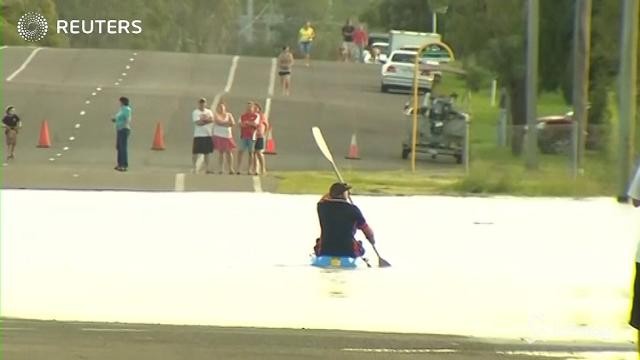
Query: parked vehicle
x=441, y=128
x=377, y=53
x=400, y=38
x=555, y=134
x=398, y=73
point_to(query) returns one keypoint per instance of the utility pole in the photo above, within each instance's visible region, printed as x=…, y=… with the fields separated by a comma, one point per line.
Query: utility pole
x=250, y=21
x=434, y=22
x=581, y=57
x=533, y=18
x=627, y=94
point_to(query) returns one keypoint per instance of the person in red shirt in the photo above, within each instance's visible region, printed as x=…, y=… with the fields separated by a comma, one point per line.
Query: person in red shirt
x=248, y=123
x=360, y=39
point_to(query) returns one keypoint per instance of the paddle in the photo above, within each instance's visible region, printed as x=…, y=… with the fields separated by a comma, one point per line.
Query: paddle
x=317, y=136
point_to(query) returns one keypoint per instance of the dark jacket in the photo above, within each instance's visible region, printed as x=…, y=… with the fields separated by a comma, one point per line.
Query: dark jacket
x=339, y=221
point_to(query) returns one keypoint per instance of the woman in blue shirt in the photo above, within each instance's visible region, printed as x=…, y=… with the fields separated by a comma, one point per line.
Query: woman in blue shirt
x=123, y=128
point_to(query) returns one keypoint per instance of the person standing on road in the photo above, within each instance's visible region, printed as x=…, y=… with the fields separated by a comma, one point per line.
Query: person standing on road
x=360, y=39
x=347, y=41
x=202, y=135
x=122, y=122
x=285, y=63
x=223, y=122
x=306, y=35
x=260, y=166
x=11, y=123
x=634, y=321
x=248, y=123
x=339, y=221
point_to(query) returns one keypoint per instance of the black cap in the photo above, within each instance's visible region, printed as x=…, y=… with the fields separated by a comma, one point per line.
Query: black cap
x=337, y=189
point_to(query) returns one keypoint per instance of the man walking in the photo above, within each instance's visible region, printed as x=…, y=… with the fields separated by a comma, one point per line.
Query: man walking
x=11, y=123
x=202, y=136
x=122, y=121
x=347, y=41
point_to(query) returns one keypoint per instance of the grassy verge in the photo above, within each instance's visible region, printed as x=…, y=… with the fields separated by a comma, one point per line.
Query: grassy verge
x=493, y=170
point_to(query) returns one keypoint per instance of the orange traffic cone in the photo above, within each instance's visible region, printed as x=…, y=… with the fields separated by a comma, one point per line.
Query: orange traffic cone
x=353, y=149
x=271, y=144
x=158, y=139
x=44, y=141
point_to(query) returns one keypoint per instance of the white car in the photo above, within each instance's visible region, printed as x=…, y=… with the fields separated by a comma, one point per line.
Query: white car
x=397, y=72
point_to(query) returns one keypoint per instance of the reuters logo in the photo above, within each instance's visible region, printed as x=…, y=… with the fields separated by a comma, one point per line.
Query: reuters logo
x=32, y=26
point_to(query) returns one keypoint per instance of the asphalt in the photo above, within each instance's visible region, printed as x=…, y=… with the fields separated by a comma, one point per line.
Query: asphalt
x=52, y=340
x=342, y=99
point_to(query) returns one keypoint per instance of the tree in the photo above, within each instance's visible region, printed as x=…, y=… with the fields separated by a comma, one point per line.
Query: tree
x=13, y=10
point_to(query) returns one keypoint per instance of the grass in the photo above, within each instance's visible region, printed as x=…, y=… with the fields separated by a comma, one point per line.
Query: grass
x=493, y=169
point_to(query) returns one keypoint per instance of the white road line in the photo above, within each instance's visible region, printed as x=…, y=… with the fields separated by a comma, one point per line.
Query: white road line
x=24, y=64
x=272, y=78
x=16, y=329
x=267, y=107
x=257, y=184
x=401, y=351
x=3, y=47
x=112, y=330
x=179, y=184
x=232, y=73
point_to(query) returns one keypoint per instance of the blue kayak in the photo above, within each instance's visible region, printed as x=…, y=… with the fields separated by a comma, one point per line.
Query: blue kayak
x=340, y=262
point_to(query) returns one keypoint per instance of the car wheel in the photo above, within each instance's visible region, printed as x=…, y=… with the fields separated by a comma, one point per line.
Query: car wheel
x=458, y=159
x=384, y=88
x=405, y=153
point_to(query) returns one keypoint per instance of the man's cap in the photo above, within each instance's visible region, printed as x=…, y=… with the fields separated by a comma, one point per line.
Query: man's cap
x=337, y=189
x=202, y=100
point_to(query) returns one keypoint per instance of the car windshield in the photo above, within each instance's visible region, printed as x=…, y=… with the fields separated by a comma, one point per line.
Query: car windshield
x=404, y=58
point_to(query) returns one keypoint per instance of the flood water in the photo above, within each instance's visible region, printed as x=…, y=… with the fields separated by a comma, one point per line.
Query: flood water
x=516, y=268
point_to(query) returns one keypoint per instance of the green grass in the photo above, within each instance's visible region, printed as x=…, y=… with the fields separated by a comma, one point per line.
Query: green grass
x=493, y=170
x=365, y=182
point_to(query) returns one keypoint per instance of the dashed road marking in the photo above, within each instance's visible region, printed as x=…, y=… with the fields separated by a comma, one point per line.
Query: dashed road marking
x=232, y=73
x=179, y=184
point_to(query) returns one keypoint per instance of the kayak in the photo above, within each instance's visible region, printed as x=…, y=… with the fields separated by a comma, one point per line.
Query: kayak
x=343, y=262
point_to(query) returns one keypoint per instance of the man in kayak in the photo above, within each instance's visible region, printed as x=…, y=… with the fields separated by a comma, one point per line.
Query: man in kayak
x=339, y=221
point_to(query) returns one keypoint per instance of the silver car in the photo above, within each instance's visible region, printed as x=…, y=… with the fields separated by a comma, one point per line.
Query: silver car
x=397, y=72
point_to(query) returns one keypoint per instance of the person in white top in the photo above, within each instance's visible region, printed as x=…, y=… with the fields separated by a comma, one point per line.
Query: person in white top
x=634, y=321
x=223, y=122
x=203, y=130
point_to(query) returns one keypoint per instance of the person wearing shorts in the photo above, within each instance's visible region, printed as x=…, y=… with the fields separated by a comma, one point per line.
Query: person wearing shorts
x=347, y=41
x=11, y=123
x=202, y=135
x=306, y=35
x=248, y=123
x=634, y=321
x=260, y=165
x=285, y=63
x=223, y=122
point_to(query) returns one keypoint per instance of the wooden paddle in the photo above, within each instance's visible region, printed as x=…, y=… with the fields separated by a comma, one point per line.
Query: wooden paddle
x=317, y=136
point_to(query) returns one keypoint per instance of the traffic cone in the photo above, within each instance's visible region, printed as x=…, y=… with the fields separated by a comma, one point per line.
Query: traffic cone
x=158, y=139
x=271, y=144
x=44, y=141
x=353, y=149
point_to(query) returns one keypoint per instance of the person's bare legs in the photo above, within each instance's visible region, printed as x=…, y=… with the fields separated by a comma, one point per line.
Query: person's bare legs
x=229, y=155
x=206, y=163
x=307, y=59
x=239, y=162
x=221, y=162
x=194, y=159
x=261, y=166
x=250, y=162
x=287, y=85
